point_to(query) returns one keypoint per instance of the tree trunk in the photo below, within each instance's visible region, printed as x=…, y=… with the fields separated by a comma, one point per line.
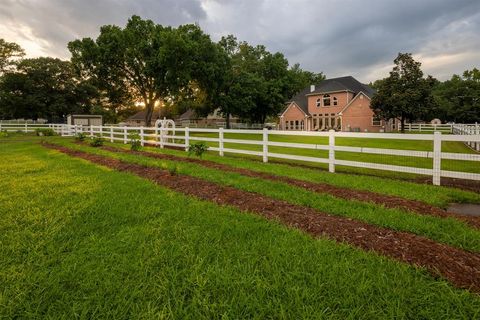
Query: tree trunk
x=227, y=115
x=402, y=123
x=149, y=113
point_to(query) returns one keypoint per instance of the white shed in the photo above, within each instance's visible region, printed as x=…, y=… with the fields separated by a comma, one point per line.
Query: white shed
x=85, y=120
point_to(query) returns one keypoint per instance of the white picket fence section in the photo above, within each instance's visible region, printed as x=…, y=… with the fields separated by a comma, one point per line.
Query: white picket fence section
x=445, y=128
x=182, y=137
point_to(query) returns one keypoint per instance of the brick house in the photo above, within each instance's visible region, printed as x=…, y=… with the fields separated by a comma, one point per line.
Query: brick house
x=342, y=104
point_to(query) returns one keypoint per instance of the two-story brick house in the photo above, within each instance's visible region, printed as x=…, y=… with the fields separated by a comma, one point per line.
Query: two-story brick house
x=342, y=104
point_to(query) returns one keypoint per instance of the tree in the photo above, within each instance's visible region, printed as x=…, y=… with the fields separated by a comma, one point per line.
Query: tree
x=44, y=88
x=144, y=61
x=459, y=97
x=300, y=79
x=255, y=83
x=405, y=94
x=9, y=53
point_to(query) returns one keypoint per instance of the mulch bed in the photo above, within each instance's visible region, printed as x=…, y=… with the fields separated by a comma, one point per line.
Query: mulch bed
x=387, y=201
x=460, y=267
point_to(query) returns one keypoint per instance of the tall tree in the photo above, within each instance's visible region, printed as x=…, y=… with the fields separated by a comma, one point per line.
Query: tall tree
x=405, y=94
x=9, y=53
x=300, y=79
x=44, y=88
x=459, y=97
x=144, y=61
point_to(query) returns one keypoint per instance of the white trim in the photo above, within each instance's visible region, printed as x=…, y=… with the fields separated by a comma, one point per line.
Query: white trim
x=296, y=105
x=358, y=94
x=327, y=92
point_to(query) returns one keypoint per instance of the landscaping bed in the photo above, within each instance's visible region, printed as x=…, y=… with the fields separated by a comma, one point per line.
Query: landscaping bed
x=344, y=193
x=460, y=267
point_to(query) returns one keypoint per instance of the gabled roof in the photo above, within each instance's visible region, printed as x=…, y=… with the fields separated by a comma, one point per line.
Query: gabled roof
x=348, y=83
x=157, y=114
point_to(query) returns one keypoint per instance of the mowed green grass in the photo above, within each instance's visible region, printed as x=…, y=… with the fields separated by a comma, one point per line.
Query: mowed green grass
x=434, y=195
x=82, y=241
x=400, y=144
x=445, y=230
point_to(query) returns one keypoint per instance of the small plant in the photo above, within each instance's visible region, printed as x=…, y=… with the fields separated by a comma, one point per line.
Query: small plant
x=97, y=141
x=81, y=136
x=46, y=132
x=135, y=142
x=173, y=170
x=3, y=134
x=198, y=149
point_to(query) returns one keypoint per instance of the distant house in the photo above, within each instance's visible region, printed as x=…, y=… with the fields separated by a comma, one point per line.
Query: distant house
x=138, y=119
x=214, y=119
x=342, y=104
x=85, y=119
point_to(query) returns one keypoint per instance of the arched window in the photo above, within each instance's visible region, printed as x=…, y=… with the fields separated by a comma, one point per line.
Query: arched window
x=319, y=102
x=326, y=100
x=335, y=101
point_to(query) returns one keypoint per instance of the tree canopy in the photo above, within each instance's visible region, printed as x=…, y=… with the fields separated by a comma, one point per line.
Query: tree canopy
x=9, y=53
x=405, y=94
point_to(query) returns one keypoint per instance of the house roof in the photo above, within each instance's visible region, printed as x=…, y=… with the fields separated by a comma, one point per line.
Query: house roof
x=190, y=114
x=348, y=83
x=157, y=114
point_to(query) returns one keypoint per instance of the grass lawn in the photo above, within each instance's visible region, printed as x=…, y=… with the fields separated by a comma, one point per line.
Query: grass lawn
x=449, y=231
x=82, y=241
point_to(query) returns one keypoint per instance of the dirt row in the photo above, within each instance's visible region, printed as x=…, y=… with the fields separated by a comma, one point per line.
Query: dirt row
x=460, y=267
x=387, y=201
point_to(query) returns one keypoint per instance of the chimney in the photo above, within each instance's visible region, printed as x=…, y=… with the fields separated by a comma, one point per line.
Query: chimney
x=312, y=87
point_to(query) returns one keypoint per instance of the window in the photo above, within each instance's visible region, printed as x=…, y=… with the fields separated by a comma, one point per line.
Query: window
x=286, y=125
x=296, y=124
x=335, y=101
x=326, y=100
x=319, y=102
x=376, y=121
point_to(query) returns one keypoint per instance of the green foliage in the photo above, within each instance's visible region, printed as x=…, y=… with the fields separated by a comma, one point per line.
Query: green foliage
x=45, y=132
x=135, y=142
x=9, y=52
x=405, y=94
x=44, y=88
x=81, y=136
x=173, y=169
x=97, y=141
x=198, y=149
x=459, y=98
x=3, y=134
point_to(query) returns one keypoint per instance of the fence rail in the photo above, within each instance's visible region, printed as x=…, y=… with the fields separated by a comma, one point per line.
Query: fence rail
x=264, y=141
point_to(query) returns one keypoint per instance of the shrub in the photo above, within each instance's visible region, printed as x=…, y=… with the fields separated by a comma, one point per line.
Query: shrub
x=45, y=132
x=173, y=170
x=81, y=136
x=97, y=141
x=197, y=149
x=135, y=142
x=3, y=134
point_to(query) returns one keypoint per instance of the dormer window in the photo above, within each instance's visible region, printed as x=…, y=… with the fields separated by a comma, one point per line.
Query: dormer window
x=319, y=102
x=326, y=100
x=335, y=101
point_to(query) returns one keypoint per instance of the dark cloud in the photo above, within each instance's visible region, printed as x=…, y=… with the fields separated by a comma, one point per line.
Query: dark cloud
x=338, y=37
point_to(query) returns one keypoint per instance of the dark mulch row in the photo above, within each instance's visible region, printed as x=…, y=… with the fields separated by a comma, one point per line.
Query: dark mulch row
x=344, y=193
x=460, y=267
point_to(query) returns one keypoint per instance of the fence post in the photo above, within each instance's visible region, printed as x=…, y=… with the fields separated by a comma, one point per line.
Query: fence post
x=91, y=131
x=142, y=142
x=437, y=157
x=477, y=132
x=331, y=150
x=26, y=127
x=265, y=145
x=161, y=137
x=220, y=141
x=111, y=133
x=125, y=136
x=187, y=138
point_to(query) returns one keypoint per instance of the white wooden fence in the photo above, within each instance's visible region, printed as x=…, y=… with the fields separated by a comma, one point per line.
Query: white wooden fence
x=182, y=137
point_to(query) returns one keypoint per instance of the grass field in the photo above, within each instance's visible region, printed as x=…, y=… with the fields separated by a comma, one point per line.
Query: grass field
x=82, y=241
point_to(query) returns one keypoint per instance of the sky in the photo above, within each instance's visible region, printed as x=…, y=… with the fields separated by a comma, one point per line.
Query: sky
x=337, y=37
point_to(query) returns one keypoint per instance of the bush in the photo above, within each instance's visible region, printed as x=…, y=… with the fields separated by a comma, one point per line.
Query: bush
x=173, y=170
x=47, y=132
x=81, y=136
x=3, y=134
x=135, y=142
x=197, y=149
x=97, y=141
